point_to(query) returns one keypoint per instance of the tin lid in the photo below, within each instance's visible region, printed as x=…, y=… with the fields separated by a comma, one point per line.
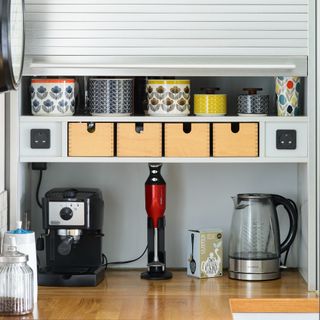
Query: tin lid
x=210, y=90
x=110, y=79
x=11, y=255
x=252, y=91
x=46, y=80
x=168, y=81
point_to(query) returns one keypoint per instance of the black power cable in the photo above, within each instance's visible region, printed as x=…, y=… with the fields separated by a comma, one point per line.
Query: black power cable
x=106, y=263
x=38, y=189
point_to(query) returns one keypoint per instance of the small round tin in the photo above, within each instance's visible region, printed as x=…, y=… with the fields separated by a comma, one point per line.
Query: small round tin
x=253, y=104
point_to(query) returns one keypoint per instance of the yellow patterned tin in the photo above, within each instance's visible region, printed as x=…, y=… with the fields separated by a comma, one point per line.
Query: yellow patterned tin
x=168, y=97
x=210, y=104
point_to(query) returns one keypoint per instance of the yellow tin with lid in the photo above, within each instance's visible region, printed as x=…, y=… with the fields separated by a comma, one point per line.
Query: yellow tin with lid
x=210, y=103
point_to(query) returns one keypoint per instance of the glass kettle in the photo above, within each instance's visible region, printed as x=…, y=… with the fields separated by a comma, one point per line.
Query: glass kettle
x=254, y=247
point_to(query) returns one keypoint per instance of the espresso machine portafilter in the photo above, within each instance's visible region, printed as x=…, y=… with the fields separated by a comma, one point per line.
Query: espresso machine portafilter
x=155, y=201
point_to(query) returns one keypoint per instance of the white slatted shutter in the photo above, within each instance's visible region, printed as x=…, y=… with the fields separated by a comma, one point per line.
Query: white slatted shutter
x=81, y=29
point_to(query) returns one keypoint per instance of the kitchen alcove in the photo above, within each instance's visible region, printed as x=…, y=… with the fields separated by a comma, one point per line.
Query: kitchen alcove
x=199, y=189
x=198, y=195
x=230, y=44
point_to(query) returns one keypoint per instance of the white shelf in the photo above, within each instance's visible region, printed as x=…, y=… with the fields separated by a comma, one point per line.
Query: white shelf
x=59, y=125
x=162, y=119
x=161, y=160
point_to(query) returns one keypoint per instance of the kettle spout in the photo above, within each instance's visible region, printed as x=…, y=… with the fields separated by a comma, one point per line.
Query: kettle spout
x=238, y=204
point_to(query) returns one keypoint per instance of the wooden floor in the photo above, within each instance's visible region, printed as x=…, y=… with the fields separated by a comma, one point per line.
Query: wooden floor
x=123, y=295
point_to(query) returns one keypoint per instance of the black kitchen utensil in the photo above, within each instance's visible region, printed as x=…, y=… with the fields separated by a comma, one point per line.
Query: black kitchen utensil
x=193, y=265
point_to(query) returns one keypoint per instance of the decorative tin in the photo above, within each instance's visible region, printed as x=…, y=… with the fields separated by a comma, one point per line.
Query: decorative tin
x=110, y=97
x=210, y=103
x=52, y=97
x=168, y=97
x=253, y=103
x=287, y=91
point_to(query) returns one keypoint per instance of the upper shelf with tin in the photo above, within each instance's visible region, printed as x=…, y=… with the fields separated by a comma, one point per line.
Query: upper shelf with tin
x=118, y=130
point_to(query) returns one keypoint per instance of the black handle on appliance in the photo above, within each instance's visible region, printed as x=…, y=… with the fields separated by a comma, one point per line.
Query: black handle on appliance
x=64, y=248
x=292, y=211
x=70, y=193
x=40, y=244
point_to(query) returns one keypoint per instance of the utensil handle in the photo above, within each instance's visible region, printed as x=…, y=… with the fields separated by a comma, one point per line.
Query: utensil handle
x=292, y=211
x=192, y=243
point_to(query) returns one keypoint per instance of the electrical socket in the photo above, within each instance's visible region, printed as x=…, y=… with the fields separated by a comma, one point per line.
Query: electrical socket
x=286, y=139
x=40, y=138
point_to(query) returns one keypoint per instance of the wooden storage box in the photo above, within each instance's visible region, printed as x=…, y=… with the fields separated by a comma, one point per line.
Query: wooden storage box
x=235, y=139
x=187, y=140
x=139, y=139
x=88, y=139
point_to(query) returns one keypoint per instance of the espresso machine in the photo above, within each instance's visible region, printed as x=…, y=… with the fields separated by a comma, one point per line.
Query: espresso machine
x=155, y=201
x=72, y=219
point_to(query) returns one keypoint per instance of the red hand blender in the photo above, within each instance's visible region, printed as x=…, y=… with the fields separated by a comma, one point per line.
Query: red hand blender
x=155, y=198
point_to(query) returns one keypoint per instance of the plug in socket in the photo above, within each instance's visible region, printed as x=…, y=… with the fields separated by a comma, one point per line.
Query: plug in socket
x=40, y=138
x=286, y=139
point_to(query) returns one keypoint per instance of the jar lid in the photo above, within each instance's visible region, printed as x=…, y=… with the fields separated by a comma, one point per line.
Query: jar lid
x=11, y=255
x=19, y=229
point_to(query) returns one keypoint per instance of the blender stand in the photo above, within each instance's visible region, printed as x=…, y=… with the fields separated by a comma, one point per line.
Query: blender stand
x=156, y=272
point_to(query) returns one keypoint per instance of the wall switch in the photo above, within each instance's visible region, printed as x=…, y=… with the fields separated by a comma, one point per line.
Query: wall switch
x=286, y=139
x=40, y=138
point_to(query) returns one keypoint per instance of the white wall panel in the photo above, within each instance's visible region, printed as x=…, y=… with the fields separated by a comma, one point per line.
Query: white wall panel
x=107, y=28
x=198, y=196
x=2, y=143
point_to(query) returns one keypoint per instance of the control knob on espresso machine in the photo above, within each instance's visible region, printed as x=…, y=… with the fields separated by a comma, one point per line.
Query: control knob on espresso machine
x=66, y=213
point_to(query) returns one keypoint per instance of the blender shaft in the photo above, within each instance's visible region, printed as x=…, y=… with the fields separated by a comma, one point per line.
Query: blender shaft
x=156, y=257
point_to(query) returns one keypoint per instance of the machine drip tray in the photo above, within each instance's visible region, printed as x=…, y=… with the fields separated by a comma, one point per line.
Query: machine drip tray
x=89, y=279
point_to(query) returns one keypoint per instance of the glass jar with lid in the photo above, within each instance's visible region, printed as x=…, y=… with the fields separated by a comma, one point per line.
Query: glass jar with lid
x=16, y=278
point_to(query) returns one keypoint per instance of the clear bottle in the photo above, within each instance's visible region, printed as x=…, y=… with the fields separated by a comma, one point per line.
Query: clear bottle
x=16, y=278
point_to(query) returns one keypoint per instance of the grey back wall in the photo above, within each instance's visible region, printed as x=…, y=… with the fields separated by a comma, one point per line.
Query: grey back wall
x=198, y=195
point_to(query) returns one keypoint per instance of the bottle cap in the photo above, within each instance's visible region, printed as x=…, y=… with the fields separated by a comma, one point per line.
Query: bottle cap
x=19, y=229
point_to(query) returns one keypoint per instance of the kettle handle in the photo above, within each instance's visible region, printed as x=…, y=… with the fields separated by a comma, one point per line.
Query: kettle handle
x=292, y=211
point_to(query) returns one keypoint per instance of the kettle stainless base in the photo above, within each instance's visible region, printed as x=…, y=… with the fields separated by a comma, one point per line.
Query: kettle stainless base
x=254, y=270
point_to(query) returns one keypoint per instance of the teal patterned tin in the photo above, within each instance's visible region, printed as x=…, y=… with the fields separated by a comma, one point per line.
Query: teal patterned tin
x=288, y=91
